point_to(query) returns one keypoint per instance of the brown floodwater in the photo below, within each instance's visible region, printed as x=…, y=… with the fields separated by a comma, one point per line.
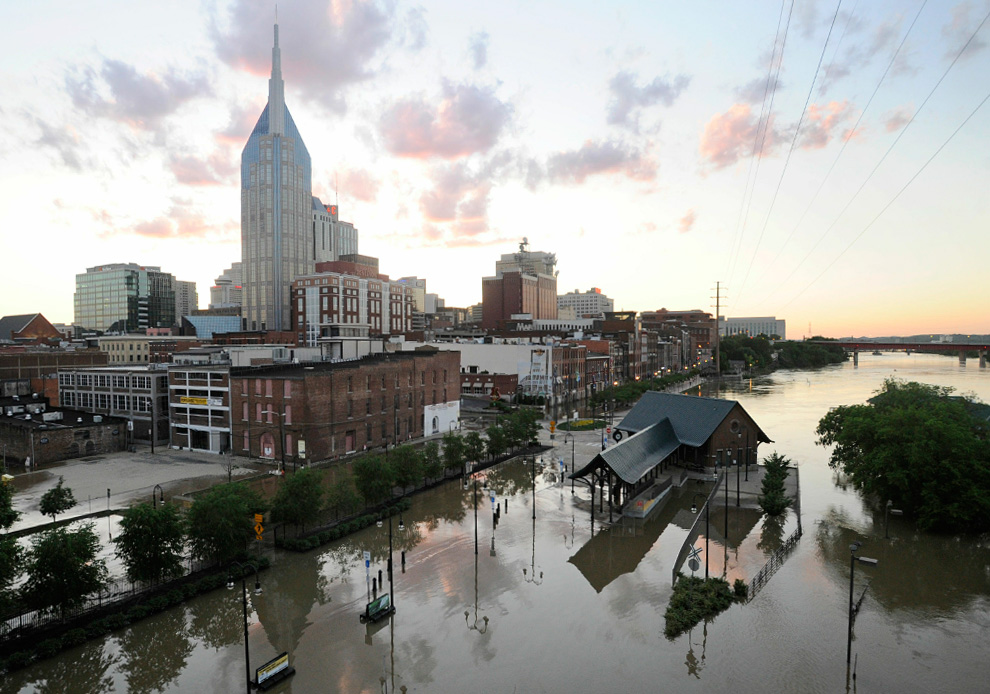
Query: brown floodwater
x=566, y=603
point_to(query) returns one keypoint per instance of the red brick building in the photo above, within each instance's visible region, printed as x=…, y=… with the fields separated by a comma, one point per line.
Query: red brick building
x=322, y=410
x=32, y=327
x=511, y=293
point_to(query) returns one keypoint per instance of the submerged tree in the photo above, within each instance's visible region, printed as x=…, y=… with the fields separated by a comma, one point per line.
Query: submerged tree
x=299, y=498
x=63, y=568
x=773, y=498
x=58, y=499
x=221, y=522
x=920, y=447
x=150, y=542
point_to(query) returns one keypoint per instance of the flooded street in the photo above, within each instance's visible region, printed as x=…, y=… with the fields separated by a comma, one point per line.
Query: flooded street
x=566, y=604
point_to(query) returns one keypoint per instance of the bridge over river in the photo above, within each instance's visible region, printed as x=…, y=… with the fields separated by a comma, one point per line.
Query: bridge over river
x=857, y=346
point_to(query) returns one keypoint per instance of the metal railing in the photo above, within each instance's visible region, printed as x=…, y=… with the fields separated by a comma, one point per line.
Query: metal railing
x=775, y=562
x=693, y=533
x=114, y=591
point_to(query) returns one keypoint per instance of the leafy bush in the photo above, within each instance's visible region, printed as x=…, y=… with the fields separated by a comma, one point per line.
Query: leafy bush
x=18, y=660
x=740, y=589
x=695, y=599
x=49, y=647
x=74, y=637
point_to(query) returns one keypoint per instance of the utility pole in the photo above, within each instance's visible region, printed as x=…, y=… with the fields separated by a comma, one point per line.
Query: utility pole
x=718, y=308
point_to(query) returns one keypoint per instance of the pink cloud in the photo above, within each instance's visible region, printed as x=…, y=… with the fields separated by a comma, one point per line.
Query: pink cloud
x=596, y=158
x=687, y=222
x=729, y=137
x=218, y=168
x=821, y=122
x=180, y=221
x=467, y=119
x=359, y=184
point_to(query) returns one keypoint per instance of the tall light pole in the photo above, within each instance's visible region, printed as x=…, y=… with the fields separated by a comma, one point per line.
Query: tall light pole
x=281, y=433
x=571, y=436
x=155, y=498
x=694, y=509
x=257, y=591
x=853, y=548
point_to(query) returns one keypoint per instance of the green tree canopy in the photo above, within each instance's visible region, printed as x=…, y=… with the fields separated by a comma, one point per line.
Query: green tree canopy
x=8, y=515
x=58, y=499
x=374, y=479
x=221, y=522
x=498, y=442
x=343, y=498
x=920, y=447
x=150, y=542
x=10, y=551
x=474, y=447
x=63, y=568
x=773, y=498
x=432, y=463
x=453, y=450
x=299, y=498
x=407, y=463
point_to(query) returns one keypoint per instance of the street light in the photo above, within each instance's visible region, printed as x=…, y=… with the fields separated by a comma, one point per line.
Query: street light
x=257, y=591
x=853, y=548
x=155, y=498
x=402, y=526
x=888, y=511
x=571, y=436
x=694, y=509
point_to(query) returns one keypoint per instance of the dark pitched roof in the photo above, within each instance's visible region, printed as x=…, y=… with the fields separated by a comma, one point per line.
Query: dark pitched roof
x=637, y=455
x=694, y=418
x=14, y=324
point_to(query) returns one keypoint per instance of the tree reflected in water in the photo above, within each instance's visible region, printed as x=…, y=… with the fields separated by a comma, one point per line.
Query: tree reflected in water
x=772, y=535
x=155, y=651
x=217, y=618
x=77, y=670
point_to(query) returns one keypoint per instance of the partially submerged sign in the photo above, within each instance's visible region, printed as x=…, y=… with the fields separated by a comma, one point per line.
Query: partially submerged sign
x=273, y=672
x=378, y=608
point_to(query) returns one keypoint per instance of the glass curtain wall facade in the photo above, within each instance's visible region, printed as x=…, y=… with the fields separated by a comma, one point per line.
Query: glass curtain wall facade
x=276, y=210
x=124, y=298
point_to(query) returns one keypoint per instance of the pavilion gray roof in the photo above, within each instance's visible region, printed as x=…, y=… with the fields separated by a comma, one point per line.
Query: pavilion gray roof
x=694, y=418
x=634, y=457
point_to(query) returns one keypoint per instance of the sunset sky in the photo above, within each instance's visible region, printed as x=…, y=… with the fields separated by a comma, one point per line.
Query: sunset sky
x=631, y=139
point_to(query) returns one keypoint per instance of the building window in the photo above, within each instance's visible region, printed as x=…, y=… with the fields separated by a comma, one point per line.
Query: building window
x=257, y=386
x=350, y=388
x=244, y=411
x=268, y=387
x=288, y=444
x=257, y=412
x=350, y=408
x=247, y=441
x=287, y=389
x=288, y=414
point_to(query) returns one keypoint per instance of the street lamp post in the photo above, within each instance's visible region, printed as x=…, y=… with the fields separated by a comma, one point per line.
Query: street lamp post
x=694, y=509
x=402, y=526
x=853, y=548
x=156, y=497
x=257, y=591
x=737, y=476
x=534, y=487
x=572, y=456
x=888, y=511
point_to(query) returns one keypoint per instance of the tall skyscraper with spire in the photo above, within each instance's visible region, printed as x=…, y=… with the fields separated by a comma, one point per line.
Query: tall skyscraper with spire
x=276, y=210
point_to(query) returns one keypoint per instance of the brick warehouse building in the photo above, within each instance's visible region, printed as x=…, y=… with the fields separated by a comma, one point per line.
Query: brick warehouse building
x=321, y=410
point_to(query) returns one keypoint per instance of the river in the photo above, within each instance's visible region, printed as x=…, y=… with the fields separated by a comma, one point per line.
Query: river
x=565, y=606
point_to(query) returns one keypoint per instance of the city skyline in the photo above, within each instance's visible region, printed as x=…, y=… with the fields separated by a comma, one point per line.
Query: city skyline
x=624, y=139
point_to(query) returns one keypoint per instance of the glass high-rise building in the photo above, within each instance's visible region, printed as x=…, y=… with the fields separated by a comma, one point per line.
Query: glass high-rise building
x=124, y=297
x=276, y=210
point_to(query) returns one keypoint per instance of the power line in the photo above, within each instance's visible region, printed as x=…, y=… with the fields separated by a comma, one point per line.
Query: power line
x=760, y=127
x=846, y=140
x=790, y=150
x=893, y=199
x=887, y=153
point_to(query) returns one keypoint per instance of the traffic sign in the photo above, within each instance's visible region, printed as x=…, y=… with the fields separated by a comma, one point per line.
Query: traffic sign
x=608, y=430
x=553, y=425
x=693, y=554
x=258, y=529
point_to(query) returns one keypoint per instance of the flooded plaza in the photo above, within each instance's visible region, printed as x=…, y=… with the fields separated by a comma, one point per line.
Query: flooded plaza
x=570, y=603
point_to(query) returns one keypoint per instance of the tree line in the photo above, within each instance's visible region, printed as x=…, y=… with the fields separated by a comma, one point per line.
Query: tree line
x=62, y=565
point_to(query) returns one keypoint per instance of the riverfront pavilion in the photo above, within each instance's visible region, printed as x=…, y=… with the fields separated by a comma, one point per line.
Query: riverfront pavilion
x=662, y=441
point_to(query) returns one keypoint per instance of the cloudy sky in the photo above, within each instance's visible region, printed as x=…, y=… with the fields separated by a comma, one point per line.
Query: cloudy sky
x=825, y=162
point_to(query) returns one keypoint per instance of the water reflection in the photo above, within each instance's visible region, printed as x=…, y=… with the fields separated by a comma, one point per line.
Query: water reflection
x=217, y=618
x=155, y=651
x=82, y=669
x=933, y=575
x=288, y=600
x=772, y=534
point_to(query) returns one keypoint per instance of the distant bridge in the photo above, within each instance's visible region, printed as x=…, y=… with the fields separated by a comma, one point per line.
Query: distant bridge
x=857, y=346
